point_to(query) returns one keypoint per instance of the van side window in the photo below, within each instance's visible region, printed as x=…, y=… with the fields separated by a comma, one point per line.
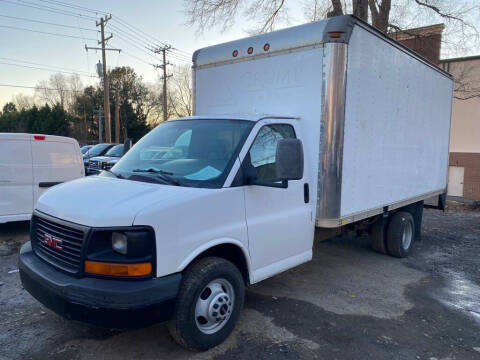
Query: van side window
x=263, y=150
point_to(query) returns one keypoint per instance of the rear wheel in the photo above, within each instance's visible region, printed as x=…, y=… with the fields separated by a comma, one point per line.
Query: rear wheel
x=208, y=305
x=378, y=235
x=400, y=234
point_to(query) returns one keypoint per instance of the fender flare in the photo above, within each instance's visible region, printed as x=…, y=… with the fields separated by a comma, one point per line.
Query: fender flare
x=204, y=247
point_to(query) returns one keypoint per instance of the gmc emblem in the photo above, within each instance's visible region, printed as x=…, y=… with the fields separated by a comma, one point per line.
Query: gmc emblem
x=52, y=242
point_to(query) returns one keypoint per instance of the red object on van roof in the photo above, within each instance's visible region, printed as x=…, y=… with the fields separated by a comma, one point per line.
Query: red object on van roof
x=39, y=137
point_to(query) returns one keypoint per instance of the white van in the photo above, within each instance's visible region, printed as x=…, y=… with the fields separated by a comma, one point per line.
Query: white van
x=29, y=164
x=314, y=130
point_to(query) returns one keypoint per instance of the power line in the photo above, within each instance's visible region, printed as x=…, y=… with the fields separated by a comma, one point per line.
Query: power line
x=148, y=46
x=45, y=65
x=45, y=32
x=39, y=87
x=136, y=46
x=72, y=6
x=136, y=57
x=46, y=69
x=135, y=31
x=46, y=22
x=51, y=10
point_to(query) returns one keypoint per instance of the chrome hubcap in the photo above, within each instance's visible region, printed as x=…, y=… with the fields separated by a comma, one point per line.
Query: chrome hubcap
x=214, y=306
x=407, y=235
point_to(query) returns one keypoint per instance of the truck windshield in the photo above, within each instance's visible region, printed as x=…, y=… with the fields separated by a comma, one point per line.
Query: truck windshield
x=97, y=149
x=115, y=151
x=195, y=153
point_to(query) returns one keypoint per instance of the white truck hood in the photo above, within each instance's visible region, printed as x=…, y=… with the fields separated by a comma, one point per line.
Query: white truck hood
x=101, y=201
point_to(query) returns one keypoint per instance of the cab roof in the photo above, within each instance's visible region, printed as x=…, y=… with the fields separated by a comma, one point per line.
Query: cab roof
x=246, y=117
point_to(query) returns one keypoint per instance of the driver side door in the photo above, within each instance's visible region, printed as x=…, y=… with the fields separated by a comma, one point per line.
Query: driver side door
x=279, y=220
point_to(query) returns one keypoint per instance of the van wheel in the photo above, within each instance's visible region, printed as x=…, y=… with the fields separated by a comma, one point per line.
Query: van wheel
x=400, y=234
x=208, y=304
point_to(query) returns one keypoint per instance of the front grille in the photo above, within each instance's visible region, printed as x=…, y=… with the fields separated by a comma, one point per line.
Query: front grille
x=94, y=164
x=69, y=257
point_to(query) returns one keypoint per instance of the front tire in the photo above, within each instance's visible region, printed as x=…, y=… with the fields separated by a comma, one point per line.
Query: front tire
x=208, y=304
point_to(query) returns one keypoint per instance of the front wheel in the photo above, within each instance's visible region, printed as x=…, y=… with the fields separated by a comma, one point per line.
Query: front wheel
x=208, y=305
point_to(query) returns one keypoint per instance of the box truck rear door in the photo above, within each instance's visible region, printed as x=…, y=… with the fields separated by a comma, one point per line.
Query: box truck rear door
x=16, y=177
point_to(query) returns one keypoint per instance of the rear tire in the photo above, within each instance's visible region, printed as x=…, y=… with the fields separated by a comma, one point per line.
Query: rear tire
x=400, y=234
x=379, y=243
x=208, y=304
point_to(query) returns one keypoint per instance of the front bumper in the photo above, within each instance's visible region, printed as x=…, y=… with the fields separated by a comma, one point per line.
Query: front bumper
x=110, y=303
x=93, y=171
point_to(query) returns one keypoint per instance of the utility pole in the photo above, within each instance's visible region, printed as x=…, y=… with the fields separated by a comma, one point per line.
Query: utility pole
x=106, y=91
x=100, y=125
x=163, y=66
x=117, y=117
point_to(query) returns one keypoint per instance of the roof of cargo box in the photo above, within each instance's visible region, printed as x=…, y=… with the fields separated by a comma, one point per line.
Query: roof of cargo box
x=337, y=29
x=293, y=37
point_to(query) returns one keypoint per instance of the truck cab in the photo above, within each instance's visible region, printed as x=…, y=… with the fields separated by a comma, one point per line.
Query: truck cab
x=203, y=201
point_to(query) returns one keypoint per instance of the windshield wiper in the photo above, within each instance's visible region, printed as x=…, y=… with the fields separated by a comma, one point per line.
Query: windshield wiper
x=166, y=176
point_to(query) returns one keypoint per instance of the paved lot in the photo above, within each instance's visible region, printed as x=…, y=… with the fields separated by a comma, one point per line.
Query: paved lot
x=348, y=303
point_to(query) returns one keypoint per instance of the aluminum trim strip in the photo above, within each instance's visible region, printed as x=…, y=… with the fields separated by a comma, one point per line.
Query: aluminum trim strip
x=331, y=131
x=333, y=223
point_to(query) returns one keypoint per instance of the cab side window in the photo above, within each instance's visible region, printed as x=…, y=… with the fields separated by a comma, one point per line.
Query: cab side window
x=263, y=150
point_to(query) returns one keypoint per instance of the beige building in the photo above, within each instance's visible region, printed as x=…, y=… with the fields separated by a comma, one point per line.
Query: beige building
x=464, y=173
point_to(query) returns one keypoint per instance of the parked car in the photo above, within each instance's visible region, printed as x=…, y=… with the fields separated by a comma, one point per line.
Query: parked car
x=97, y=150
x=98, y=163
x=30, y=164
x=355, y=138
x=85, y=148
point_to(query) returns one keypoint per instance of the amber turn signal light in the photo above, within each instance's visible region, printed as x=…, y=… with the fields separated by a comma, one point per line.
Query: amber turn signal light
x=112, y=269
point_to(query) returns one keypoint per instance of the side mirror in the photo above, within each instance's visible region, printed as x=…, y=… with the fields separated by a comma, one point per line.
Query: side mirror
x=289, y=159
x=127, y=145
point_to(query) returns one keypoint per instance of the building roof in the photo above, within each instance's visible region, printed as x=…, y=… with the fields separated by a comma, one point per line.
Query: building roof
x=423, y=31
x=459, y=59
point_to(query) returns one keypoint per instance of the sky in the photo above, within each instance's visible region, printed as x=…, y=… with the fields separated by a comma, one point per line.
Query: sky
x=133, y=23
x=163, y=20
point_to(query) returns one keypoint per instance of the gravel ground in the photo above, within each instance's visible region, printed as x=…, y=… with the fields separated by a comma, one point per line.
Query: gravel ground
x=348, y=303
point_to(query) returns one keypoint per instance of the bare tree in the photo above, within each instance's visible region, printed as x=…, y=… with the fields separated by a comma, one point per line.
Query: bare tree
x=59, y=89
x=462, y=17
x=180, y=94
x=23, y=102
x=467, y=80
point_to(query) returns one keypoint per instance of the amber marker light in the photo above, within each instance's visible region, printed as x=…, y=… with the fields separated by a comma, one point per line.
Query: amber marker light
x=235, y=53
x=266, y=47
x=250, y=50
x=336, y=35
x=112, y=269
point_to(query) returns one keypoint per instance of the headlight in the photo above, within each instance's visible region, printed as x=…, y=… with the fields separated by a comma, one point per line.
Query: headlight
x=119, y=243
x=124, y=252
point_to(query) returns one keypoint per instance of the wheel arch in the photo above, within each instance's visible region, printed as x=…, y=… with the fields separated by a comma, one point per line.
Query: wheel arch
x=228, y=249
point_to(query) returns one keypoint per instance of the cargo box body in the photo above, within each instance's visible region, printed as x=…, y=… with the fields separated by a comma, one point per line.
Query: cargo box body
x=375, y=117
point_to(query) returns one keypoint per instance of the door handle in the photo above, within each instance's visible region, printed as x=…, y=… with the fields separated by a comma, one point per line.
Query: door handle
x=306, y=193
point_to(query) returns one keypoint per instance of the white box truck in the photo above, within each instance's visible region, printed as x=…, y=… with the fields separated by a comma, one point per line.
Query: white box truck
x=30, y=164
x=321, y=127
